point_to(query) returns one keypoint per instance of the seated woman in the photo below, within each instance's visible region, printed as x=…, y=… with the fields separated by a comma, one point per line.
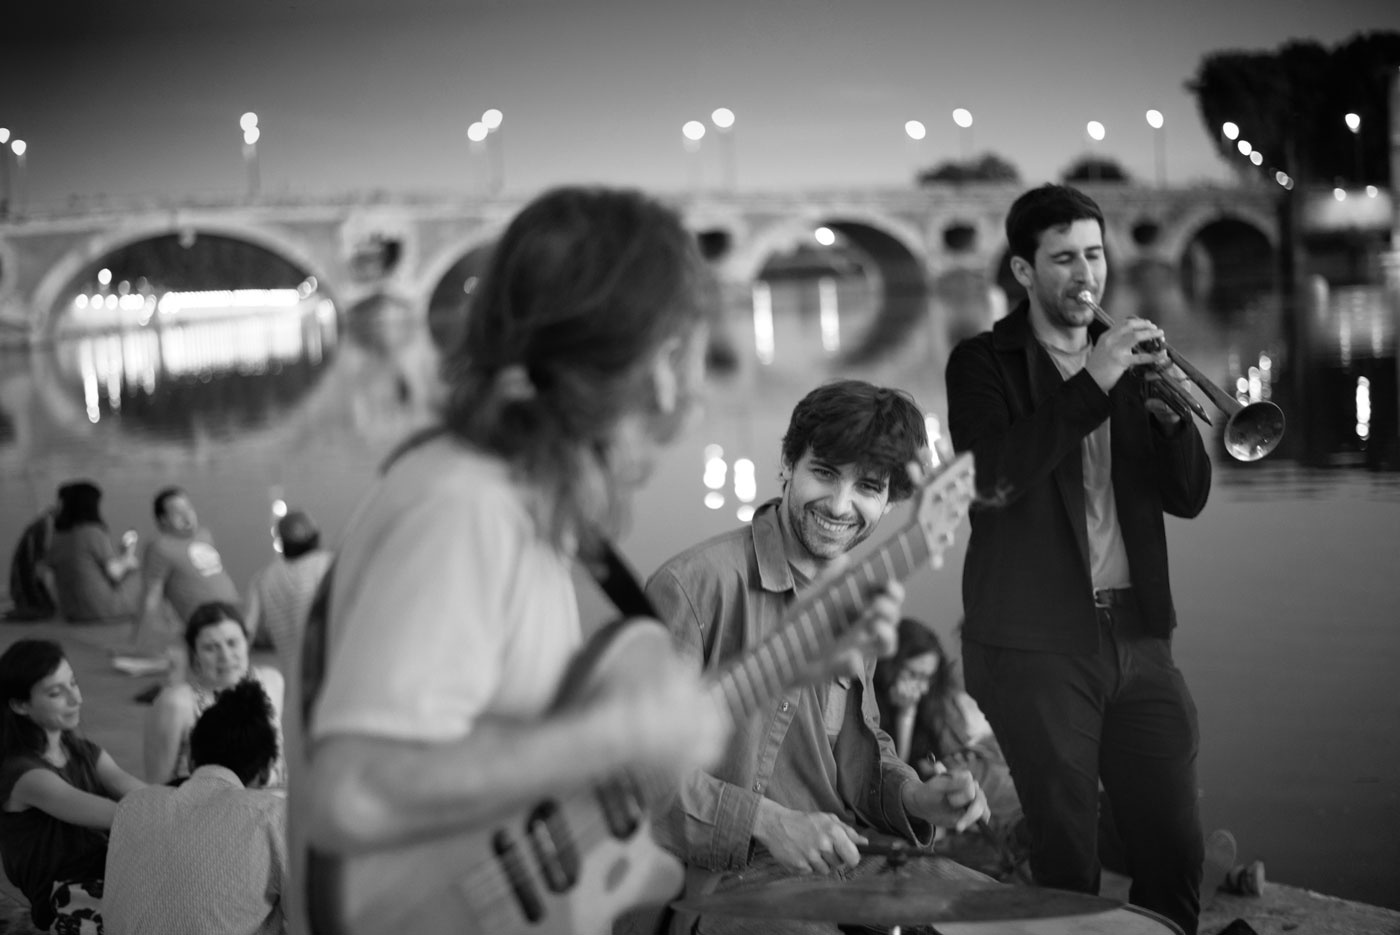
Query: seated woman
x=90, y=581
x=217, y=641
x=936, y=725
x=58, y=791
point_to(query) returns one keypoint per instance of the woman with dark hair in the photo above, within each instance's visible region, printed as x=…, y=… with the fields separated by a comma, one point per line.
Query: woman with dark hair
x=91, y=582
x=937, y=726
x=58, y=791
x=217, y=641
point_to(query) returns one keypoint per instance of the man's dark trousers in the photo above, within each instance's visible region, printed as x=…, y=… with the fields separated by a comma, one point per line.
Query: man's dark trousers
x=1123, y=714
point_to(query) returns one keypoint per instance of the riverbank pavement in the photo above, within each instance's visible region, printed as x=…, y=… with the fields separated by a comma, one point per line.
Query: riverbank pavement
x=113, y=719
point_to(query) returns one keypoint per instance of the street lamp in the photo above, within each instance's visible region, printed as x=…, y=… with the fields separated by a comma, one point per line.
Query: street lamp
x=4, y=172
x=723, y=119
x=491, y=120
x=693, y=131
x=1354, y=125
x=19, y=147
x=251, y=133
x=1159, y=144
x=1096, y=133
x=914, y=132
x=963, y=118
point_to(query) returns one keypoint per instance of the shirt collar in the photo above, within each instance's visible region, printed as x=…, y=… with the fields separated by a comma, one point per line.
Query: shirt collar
x=216, y=773
x=774, y=572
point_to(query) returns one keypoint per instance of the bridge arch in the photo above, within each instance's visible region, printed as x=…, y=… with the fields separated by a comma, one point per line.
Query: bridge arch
x=1177, y=238
x=897, y=259
x=759, y=245
x=48, y=290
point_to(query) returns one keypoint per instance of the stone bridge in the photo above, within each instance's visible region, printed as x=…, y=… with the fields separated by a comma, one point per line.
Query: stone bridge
x=400, y=249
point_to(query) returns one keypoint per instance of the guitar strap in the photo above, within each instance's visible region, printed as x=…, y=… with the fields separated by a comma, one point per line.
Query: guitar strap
x=617, y=579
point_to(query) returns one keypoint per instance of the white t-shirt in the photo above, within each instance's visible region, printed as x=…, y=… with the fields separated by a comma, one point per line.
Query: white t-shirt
x=446, y=605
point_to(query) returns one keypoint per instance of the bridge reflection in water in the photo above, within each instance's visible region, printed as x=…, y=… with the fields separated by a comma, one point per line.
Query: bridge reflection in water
x=164, y=361
x=1285, y=585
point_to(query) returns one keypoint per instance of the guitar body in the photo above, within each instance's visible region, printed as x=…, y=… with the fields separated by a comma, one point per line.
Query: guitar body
x=564, y=866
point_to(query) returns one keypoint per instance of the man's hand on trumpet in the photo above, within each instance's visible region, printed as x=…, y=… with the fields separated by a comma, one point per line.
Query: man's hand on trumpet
x=1165, y=407
x=1118, y=350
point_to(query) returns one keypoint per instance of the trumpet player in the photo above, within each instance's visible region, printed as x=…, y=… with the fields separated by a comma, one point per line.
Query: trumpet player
x=1069, y=615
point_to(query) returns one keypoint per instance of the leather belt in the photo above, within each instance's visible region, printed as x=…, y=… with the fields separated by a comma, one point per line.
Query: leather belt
x=1113, y=597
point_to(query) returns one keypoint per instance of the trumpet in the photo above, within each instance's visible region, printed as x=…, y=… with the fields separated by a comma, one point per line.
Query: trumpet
x=1252, y=430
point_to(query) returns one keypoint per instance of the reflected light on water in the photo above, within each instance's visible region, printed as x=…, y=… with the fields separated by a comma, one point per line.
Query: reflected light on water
x=763, y=322
x=1363, y=408
x=134, y=341
x=829, y=315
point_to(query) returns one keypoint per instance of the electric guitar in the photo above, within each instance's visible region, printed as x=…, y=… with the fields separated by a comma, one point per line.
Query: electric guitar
x=570, y=865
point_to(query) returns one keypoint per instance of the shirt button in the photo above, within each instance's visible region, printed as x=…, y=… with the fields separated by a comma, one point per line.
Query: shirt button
x=758, y=787
x=784, y=707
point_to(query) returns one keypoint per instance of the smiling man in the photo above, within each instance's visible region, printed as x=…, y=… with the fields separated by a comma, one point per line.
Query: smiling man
x=1067, y=636
x=810, y=776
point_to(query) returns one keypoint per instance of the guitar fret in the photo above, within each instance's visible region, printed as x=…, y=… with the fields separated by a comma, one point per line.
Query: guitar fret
x=776, y=679
x=889, y=565
x=744, y=684
x=908, y=557
x=825, y=618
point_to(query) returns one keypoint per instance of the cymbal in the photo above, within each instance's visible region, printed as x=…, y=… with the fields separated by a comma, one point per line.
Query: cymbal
x=888, y=899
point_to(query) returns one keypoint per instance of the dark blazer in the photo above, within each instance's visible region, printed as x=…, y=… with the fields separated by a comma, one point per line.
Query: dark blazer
x=1026, y=580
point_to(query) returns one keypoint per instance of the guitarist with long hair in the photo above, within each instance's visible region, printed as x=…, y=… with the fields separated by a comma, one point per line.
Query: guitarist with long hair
x=804, y=783
x=452, y=618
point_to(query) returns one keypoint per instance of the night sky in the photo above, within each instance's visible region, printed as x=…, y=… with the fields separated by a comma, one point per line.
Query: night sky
x=144, y=99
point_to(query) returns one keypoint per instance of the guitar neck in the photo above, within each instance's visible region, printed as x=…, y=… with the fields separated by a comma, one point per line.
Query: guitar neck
x=815, y=623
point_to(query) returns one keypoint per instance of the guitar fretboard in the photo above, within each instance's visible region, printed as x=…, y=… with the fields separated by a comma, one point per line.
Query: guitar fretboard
x=815, y=622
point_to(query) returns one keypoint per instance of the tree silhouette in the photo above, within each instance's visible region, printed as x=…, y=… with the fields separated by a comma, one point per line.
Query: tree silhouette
x=1290, y=105
x=987, y=168
x=1095, y=169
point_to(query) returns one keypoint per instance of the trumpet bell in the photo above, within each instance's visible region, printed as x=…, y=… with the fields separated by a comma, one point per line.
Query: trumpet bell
x=1254, y=431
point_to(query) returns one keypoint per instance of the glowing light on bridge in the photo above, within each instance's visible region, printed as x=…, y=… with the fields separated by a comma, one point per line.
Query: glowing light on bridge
x=492, y=118
x=1231, y=130
x=1257, y=158
x=915, y=130
x=962, y=117
x=104, y=277
x=824, y=236
x=1245, y=147
x=1155, y=119
x=693, y=130
x=722, y=117
x=1096, y=130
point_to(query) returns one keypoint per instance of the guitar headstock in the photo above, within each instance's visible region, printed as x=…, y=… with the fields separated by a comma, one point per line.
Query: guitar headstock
x=942, y=498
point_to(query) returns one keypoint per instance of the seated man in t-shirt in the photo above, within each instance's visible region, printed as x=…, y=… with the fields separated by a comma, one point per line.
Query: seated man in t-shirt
x=180, y=568
x=211, y=855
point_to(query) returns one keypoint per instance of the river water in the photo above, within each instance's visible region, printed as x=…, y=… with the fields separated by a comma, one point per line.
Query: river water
x=1288, y=585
